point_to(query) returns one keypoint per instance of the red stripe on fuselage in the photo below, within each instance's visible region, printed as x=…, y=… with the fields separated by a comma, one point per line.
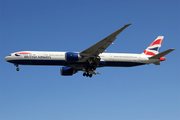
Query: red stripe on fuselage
x=23, y=53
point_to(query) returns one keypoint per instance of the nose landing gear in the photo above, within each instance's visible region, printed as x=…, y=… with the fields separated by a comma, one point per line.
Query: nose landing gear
x=17, y=69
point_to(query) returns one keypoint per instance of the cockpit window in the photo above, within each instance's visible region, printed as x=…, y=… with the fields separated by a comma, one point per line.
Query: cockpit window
x=9, y=55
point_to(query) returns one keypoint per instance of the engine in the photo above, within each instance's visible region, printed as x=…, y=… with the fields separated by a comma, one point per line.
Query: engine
x=67, y=71
x=72, y=57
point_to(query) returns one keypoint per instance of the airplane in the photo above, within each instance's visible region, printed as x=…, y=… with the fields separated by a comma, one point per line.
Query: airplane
x=91, y=58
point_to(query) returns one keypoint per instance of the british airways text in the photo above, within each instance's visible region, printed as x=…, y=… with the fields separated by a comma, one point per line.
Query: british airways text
x=45, y=57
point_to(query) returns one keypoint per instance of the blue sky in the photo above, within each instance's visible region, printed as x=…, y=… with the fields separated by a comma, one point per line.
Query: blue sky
x=136, y=93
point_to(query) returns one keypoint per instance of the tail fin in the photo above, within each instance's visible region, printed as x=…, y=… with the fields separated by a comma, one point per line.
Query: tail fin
x=154, y=47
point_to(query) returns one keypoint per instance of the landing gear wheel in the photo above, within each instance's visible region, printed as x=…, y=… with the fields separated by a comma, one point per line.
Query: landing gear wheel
x=17, y=68
x=84, y=74
x=87, y=75
x=90, y=75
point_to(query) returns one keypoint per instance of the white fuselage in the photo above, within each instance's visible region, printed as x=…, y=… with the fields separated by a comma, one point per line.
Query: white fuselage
x=58, y=58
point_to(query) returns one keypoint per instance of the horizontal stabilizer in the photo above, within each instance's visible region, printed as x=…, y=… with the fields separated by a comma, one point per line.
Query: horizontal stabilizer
x=162, y=54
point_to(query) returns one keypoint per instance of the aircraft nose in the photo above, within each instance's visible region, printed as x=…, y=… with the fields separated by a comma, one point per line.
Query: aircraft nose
x=6, y=58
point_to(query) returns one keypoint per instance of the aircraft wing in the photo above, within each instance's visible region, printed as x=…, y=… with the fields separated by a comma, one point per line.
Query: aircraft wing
x=101, y=46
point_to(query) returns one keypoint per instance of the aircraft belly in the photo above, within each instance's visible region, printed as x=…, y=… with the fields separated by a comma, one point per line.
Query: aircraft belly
x=119, y=64
x=38, y=62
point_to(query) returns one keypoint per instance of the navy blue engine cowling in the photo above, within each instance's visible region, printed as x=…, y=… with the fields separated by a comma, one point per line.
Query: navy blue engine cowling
x=67, y=71
x=72, y=57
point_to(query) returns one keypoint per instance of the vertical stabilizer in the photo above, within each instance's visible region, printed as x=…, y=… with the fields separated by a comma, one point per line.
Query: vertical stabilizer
x=154, y=47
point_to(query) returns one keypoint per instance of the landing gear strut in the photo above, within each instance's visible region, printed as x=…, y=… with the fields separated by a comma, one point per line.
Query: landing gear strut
x=87, y=74
x=17, y=69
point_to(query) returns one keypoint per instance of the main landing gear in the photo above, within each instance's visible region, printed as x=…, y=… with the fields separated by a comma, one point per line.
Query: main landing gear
x=17, y=69
x=87, y=74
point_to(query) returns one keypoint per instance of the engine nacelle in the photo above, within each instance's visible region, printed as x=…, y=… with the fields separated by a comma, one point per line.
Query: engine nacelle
x=72, y=57
x=67, y=71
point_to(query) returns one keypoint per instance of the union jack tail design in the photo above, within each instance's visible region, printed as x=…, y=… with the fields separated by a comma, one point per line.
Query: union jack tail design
x=154, y=47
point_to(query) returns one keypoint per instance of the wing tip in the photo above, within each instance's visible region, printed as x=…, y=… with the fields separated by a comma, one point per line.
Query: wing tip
x=127, y=25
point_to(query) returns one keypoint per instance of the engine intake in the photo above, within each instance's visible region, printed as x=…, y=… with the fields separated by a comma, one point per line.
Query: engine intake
x=72, y=57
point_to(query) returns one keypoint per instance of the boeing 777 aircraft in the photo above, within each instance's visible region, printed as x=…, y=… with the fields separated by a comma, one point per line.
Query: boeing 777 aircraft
x=91, y=58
